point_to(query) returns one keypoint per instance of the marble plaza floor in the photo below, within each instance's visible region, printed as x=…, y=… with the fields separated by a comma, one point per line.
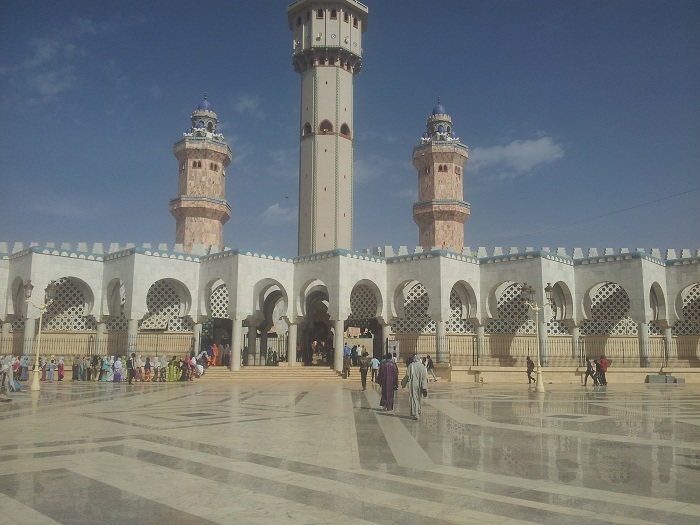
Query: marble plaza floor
x=260, y=452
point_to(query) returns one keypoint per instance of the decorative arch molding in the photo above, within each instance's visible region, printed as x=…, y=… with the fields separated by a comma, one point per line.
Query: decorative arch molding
x=366, y=301
x=414, y=297
x=345, y=131
x=313, y=289
x=114, y=298
x=689, y=311
x=462, y=309
x=562, y=310
x=512, y=314
x=494, y=294
x=325, y=127
x=606, y=307
x=657, y=304
x=216, y=299
x=71, y=309
x=168, y=302
x=15, y=305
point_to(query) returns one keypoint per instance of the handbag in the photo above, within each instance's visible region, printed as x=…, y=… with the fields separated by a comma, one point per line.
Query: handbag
x=424, y=392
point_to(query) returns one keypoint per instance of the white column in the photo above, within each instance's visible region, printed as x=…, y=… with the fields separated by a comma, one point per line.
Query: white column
x=197, y=335
x=292, y=344
x=386, y=332
x=339, y=326
x=671, y=352
x=441, y=341
x=29, y=331
x=236, y=340
x=252, y=343
x=543, y=339
x=480, y=340
x=131, y=333
x=6, y=338
x=101, y=338
x=643, y=333
x=576, y=343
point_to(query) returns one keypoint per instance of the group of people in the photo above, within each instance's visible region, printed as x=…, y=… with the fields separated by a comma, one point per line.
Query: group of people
x=415, y=379
x=596, y=371
x=113, y=369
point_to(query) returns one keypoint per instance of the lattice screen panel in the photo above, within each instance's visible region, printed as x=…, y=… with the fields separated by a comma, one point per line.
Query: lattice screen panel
x=416, y=320
x=513, y=315
x=218, y=302
x=163, y=304
x=66, y=311
x=118, y=324
x=609, y=310
x=363, y=303
x=455, y=324
x=690, y=324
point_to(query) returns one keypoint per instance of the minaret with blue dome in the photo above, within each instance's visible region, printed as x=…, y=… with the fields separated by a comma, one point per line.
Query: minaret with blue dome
x=441, y=211
x=200, y=209
x=327, y=53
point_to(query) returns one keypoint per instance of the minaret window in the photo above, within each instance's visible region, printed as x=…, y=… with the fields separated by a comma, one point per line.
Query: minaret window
x=210, y=127
x=345, y=130
x=354, y=21
x=346, y=17
x=298, y=21
x=326, y=127
x=308, y=15
x=306, y=130
x=334, y=14
x=319, y=13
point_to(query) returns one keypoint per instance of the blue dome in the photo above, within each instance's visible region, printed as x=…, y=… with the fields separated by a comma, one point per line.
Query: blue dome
x=439, y=110
x=204, y=105
x=441, y=128
x=425, y=135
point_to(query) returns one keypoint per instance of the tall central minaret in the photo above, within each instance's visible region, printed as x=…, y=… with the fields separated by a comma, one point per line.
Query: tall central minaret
x=441, y=211
x=327, y=53
x=200, y=209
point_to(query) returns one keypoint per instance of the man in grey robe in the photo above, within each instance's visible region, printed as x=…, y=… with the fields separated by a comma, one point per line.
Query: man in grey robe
x=416, y=379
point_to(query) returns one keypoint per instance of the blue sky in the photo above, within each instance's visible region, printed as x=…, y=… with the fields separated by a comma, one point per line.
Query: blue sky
x=571, y=110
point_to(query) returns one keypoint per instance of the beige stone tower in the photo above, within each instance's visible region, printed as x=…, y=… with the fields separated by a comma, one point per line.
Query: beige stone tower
x=327, y=53
x=201, y=210
x=440, y=212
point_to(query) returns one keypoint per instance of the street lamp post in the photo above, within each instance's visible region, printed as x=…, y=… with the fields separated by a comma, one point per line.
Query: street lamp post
x=48, y=300
x=528, y=293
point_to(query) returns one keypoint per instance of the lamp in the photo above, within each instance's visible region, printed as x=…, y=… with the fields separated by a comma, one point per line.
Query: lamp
x=528, y=295
x=49, y=296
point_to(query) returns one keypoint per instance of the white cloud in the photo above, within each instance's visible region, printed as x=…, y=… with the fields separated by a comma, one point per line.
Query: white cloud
x=277, y=213
x=247, y=104
x=520, y=157
x=50, y=83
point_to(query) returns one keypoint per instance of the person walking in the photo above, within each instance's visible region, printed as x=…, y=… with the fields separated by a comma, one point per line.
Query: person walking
x=130, y=367
x=389, y=381
x=530, y=368
x=364, y=367
x=589, y=373
x=416, y=379
x=374, y=364
x=431, y=368
x=604, y=367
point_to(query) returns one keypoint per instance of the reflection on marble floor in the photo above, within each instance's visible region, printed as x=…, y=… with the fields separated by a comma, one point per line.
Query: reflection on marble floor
x=324, y=453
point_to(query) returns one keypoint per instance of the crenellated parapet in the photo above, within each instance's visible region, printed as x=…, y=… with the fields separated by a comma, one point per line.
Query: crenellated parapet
x=97, y=251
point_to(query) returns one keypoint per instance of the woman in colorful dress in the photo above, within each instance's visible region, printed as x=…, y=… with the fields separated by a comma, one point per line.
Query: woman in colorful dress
x=147, y=370
x=50, y=369
x=118, y=370
x=61, y=369
x=24, y=374
x=171, y=370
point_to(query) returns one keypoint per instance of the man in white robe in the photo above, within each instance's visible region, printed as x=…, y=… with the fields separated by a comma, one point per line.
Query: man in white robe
x=416, y=379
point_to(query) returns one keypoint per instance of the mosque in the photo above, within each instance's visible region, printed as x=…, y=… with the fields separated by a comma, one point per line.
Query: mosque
x=465, y=306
